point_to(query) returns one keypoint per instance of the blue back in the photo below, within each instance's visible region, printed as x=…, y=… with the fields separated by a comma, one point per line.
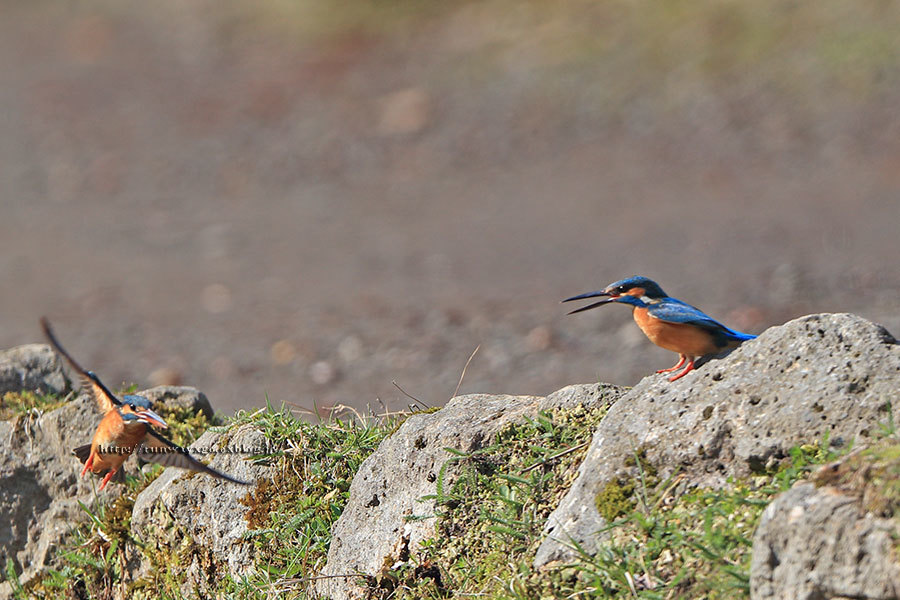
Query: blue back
x=673, y=310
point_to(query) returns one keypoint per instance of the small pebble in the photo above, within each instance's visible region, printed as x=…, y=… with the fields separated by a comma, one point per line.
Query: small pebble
x=222, y=367
x=539, y=338
x=216, y=298
x=322, y=372
x=404, y=112
x=283, y=352
x=350, y=349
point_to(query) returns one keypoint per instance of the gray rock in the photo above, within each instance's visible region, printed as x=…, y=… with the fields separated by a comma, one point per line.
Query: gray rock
x=180, y=397
x=33, y=367
x=180, y=504
x=40, y=485
x=817, y=375
x=387, y=489
x=818, y=544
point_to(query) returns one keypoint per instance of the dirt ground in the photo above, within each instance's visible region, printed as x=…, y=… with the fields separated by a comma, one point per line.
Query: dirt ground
x=307, y=205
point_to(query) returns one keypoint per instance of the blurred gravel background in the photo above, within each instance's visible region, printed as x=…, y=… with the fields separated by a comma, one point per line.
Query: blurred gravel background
x=308, y=200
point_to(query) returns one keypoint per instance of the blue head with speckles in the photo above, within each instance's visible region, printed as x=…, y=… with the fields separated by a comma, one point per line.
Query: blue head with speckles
x=636, y=291
x=637, y=287
x=135, y=400
x=136, y=409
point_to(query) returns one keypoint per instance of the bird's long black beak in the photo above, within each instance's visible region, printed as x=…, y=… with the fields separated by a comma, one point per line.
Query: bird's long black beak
x=151, y=418
x=589, y=306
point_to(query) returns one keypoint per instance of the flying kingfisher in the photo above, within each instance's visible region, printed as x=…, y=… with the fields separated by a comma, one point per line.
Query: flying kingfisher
x=668, y=322
x=126, y=427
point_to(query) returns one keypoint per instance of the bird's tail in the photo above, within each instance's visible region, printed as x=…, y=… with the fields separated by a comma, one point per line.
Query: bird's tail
x=82, y=452
x=740, y=336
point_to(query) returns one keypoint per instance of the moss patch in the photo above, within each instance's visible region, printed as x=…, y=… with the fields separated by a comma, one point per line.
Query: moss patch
x=290, y=517
x=872, y=475
x=13, y=404
x=184, y=425
x=615, y=499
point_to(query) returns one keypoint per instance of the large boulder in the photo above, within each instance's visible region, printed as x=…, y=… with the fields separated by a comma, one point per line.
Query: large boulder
x=177, y=396
x=821, y=375
x=820, y=544
x=386, y=511
x=39, y=483
x=33, y=367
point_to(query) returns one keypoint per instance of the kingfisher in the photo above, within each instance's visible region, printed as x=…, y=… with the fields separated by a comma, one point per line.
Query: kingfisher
x=668, y=322
x=126, y=427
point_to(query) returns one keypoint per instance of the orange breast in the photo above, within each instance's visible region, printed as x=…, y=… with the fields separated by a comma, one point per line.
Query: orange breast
x=677, y=337
x=111, y=441
x=107, y=462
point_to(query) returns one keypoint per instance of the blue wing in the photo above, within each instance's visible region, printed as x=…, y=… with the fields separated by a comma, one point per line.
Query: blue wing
x=672, y=310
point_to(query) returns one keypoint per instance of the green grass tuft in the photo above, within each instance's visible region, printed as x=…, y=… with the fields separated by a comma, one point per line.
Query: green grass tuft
x=489, y=520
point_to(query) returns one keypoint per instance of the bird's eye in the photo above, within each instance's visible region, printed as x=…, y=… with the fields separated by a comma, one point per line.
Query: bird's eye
x=621, y=289
x=131, y=406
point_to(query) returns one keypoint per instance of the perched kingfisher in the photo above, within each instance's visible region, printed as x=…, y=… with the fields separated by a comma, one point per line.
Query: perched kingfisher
x=668, y=322
x=126, y=427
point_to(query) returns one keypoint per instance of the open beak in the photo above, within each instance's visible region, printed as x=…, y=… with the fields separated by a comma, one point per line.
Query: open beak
x=151, y=418
x=590, y=295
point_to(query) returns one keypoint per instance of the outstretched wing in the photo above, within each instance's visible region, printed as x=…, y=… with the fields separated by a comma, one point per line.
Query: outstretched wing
x=159, y=450
x=105, y=399
x=676, y=311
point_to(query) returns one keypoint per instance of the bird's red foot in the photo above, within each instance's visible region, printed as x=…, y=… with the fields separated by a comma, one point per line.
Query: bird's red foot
x=687, y=369
x=107, y=478
x=676, y=367
x=87, y=464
